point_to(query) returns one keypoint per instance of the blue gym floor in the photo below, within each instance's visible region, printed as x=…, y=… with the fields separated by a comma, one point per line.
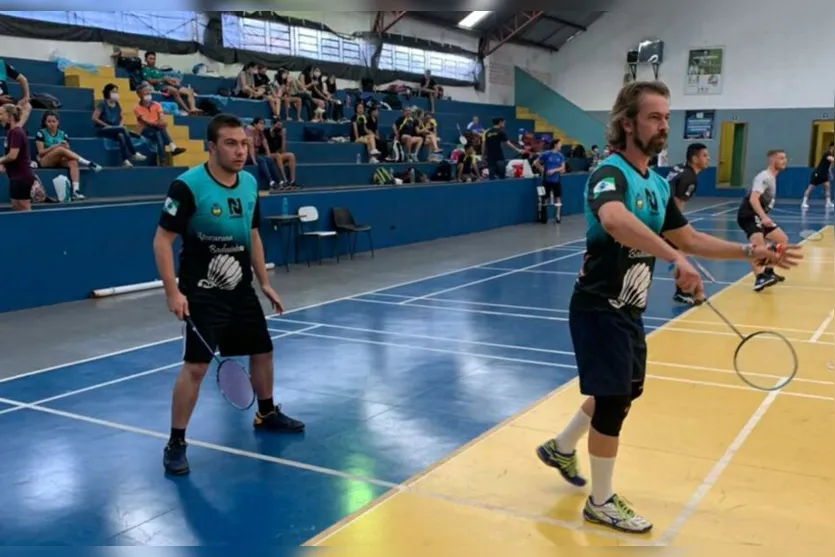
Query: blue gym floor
x=388, y=382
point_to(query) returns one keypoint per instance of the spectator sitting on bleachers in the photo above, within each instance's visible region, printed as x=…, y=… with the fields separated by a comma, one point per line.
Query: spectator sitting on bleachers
x=372, y=125
x=361, y=134
x=338, y=114
x=167, y=85
x=53, y=146
x=245, y=84
x=468, y=165
x=473, y=133
x=152, y=124
x=405, y=132
x=428, y=129
x=7, y=71
x=259, y=154
x=283, y=84
x=262, y=82
x=17, y=162
x=429, y=88
x=110, y=124
x=308, y=79
x=277, y=147
x=319, y=90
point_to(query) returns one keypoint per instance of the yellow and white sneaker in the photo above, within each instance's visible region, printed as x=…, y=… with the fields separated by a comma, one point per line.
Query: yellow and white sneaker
x=616, y=514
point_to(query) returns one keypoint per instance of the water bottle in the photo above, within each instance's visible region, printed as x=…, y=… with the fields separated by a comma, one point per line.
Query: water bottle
x=285, y=206
x=359, y=158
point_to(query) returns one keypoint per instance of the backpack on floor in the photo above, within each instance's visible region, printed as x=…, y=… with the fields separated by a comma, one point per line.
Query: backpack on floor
x=382, y=177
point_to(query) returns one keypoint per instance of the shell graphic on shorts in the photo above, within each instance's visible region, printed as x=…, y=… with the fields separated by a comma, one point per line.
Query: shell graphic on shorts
x=224, y=273
x=635, y=287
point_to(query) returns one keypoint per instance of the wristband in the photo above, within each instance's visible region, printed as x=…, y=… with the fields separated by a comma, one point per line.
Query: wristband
x=748, y=250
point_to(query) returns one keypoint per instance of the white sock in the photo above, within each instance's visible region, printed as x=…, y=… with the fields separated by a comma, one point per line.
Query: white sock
x=602, y=471
x=83, y=161
x=75, y=186
x=573, y=432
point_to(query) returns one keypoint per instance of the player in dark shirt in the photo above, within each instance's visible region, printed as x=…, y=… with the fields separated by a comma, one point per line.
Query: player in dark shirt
x=214, y=207
x=491, y=149
x=467, y=165
x=405, y=132
x=17, y=162
x=429, y=89
x=820, y=177
x=629, y=212
x=684, y=181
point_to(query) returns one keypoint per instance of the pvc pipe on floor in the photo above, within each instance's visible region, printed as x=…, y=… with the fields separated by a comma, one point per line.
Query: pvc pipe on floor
x=138, y=287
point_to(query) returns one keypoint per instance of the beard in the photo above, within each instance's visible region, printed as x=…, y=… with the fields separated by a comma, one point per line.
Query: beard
x=653, y=146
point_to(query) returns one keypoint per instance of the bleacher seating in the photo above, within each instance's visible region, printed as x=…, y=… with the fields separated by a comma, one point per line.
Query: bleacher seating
x=320, y=165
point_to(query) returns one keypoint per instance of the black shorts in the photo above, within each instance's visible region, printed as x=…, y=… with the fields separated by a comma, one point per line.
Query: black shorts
x=21, y=189
x=232, y=322
x=553, y=187
x=752, y=225
x=818, y=179
x=611, y=351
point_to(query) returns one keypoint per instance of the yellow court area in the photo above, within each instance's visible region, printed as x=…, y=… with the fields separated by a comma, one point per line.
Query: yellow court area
x=712, y=462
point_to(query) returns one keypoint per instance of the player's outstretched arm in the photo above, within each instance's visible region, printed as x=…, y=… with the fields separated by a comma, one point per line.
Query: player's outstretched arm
x=693, y=242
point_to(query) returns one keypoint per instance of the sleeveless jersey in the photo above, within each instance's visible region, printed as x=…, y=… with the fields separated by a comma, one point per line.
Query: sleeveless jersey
x=614, y=276
x=216, y=224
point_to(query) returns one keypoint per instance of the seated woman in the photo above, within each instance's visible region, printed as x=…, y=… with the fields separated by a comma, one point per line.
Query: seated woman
x=429, y=131
x=277, y=148
x=338, y=109
x=468, y=165
x=109, y=123
x=53, y=151
x=361, y=134
x=153, y=126
x=284, y=92
x=245, y=87
x=373, y=127
x=307, y=81
x=320, y=93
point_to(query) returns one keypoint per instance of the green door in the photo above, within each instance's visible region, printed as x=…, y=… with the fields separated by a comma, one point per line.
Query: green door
x=738, y=157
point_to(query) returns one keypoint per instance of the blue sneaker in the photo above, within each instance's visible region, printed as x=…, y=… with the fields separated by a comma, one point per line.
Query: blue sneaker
x=566, y=464
x=174, y=459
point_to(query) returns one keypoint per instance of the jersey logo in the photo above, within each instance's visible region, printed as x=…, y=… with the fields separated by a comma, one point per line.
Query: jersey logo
x=224, y=273
x=604, y=185
x=170, y=206
x=235, y=207
x=216, y=210
x=635, y=287
x=653, y=200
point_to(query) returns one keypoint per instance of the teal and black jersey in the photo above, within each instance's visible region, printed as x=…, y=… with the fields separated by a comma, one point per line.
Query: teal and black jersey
x=215, y=223
x=49, y=140
x=613, y=275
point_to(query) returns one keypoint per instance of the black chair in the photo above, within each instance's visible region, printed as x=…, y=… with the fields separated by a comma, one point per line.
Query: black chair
x=345, y=224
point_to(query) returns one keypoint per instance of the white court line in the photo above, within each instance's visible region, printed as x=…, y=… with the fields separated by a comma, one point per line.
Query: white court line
x=319, y=304
x=720, y=466
x=135, y=375
x=819, y=332
x=730, y=371
x=502, y=275
x=664, y=324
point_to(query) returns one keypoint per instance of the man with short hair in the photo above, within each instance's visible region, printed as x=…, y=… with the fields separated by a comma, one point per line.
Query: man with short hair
x=168, y=85
x=684, y=181
x=752, y=217
x=820, y=177
x=214, y=207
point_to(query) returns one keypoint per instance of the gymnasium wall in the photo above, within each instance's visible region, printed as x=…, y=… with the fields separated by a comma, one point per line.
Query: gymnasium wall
x=776, y=73
x=69, y=252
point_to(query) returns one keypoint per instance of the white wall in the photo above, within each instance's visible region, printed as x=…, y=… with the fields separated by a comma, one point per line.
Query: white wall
x=776, y=55
x=499, y=66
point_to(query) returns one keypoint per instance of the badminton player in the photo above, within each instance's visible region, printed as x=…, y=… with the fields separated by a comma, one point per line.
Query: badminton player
x=752, y=217
x=820, y=177
x=629, y=214
x=684, y=181
x=214, y=208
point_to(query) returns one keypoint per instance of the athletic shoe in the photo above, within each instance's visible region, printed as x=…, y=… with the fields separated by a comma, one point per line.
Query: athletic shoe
x=763, y=281
x=616, y=514
x=277, y=422
x=174, y=459
x=566, y=464
x=771, y=273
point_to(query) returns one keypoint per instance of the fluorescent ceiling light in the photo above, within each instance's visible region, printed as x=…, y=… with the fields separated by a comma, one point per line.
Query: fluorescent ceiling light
x=473, y=19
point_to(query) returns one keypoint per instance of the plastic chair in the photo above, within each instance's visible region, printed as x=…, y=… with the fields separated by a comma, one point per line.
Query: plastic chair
x=346, y=225
x=309, y=216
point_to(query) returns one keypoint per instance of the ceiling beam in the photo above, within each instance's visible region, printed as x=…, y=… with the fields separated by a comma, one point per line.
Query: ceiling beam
x=384, y=21
x=495, y=38
x=565, y=22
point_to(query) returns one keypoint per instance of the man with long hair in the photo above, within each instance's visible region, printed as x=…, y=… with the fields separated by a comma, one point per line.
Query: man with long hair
x=214, y=207
x=629, y=213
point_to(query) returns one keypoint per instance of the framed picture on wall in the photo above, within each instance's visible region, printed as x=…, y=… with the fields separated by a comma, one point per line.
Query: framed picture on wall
x=698, y=124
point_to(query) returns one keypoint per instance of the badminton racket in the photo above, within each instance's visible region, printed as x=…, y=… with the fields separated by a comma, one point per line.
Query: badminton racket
x=761, y=356
x=233, y=381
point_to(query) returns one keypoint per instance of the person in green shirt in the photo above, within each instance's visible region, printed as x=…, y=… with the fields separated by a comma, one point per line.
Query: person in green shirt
x=167, y=85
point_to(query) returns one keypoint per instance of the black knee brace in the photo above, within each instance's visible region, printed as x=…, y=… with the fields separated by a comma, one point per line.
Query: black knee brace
x=609, y=414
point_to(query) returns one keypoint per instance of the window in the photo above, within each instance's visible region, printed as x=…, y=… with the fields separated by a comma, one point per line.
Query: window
x=416, y=61
x=178, y=26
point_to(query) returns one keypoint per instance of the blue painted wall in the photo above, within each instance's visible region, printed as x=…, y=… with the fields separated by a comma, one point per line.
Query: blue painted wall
x=556, y=109
x=72, y=251
x=791, y=183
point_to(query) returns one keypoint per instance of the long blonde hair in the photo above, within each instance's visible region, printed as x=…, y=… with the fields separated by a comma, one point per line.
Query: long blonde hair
x=13, y=111
x=627, y=106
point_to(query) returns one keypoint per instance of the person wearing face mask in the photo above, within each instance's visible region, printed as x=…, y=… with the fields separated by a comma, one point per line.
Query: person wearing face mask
x=285, y=87
x=152, y=124
x=109, y=123
x=320, y=93
x=245, y=87
x=308, y=82
x=277, y=142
